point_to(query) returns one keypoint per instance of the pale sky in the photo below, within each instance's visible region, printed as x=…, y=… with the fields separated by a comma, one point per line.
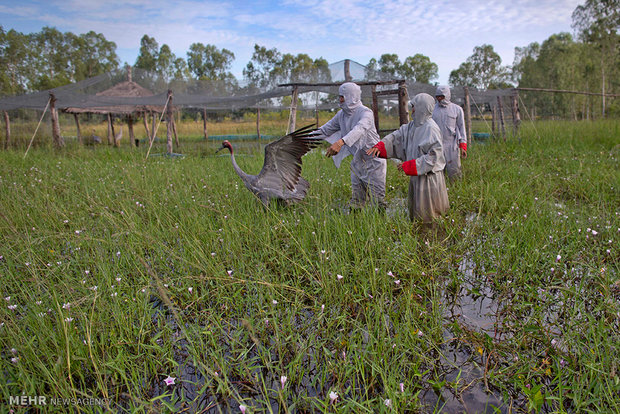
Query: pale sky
x=445, y=31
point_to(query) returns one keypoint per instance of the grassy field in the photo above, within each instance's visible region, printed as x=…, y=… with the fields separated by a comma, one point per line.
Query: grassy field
x=119, y=273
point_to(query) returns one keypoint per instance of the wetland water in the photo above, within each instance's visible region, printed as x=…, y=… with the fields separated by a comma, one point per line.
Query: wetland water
x=458, y=367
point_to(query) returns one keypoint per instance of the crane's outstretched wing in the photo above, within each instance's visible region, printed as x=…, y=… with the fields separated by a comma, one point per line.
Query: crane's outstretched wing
x=282, y=167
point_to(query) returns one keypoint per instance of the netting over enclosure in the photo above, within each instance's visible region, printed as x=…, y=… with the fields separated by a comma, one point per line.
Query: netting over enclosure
x=131, y=94
x=114, y=89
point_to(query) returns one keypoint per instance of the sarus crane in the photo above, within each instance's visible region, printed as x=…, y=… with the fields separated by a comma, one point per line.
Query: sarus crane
x=280, y=178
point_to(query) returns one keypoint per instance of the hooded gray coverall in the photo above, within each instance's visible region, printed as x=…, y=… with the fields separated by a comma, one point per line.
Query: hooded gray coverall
x=356, y=125
x=451, y=121
x=420, y=140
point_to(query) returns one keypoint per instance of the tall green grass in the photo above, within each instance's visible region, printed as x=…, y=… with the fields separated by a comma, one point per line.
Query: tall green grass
x=121, y=272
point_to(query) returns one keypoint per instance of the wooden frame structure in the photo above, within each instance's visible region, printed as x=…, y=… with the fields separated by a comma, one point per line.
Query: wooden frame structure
x=400, y=91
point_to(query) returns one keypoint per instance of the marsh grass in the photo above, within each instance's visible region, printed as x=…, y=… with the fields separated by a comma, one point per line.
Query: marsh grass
x=123, y=271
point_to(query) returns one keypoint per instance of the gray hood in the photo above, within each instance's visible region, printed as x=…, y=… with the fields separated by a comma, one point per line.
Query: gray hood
x=424, y=105
x=445, y=91
x=352, y=96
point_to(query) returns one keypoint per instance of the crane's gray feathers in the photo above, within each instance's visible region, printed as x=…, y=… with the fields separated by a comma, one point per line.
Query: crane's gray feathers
x=280, y=177
x=282, y=166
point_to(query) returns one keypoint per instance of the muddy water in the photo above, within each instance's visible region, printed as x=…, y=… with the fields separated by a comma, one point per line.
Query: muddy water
x=472, y=308
x=458, y=365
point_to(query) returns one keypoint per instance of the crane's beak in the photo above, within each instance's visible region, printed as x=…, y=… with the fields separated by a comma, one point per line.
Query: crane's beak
x=221, y=148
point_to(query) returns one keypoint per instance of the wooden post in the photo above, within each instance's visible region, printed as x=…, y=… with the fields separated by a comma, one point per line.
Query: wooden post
x=154, y=117
x=467, y=113
x=174, y=131
x=375, y=106
x=110, y=133
x=603, y=82
x=316, y=108
x=502, y=127
x=347, y=71
x=293, y=111
x=493, y=118
x=77, y=127
x=170, y=121
x=403, y=99
x=516, y=115
x=132, y=138
x=7, y=129
x=258, y=123
x=146, y=125
x=204, y=124
x=58, y=140
x=115, y=142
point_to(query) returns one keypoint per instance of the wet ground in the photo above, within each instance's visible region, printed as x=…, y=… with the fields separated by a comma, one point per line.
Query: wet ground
x=459, y=366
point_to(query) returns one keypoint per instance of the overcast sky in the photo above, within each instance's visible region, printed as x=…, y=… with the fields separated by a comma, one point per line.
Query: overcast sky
x=445, y=31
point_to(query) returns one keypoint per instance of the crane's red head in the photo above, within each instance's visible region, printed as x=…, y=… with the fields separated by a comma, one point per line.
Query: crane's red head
x=226, y=145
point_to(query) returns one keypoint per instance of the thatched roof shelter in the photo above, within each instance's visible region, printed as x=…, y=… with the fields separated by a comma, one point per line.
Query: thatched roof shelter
x=126, y=89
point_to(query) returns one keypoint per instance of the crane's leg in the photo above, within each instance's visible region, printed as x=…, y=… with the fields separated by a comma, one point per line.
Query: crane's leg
x=264, y=199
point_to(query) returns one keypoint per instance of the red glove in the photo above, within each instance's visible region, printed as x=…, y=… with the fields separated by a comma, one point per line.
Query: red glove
x=409, y=167
x=463, y=146
x=381, y=147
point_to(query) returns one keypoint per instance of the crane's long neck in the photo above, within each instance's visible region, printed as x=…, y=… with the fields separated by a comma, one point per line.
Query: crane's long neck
x=238, y=169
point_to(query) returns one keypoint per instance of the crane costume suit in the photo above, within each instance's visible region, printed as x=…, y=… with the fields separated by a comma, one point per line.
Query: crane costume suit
x=356, y=125
x=418, y=144
x=450, y=119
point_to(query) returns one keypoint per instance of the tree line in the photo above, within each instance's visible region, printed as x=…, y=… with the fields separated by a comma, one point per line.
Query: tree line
x=588, y=62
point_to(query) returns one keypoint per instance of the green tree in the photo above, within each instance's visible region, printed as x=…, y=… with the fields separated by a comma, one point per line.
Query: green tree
x=165, y=64
x=598, y=23
x=52, y=63
x=269, y=67
x=260, y=70
x=558, y=63
x=372, y=71
x=524, y=63
x=147, y=57
x=90, y=54
x=390, y=64
x=482, y=70
x=14, y=59
x=161, y=61
x=209, y=62
x=464, y=76
x=419, y=68
x=181, y=71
